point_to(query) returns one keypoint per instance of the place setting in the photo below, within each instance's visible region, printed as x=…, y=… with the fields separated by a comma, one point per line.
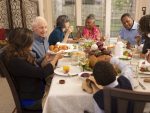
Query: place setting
x=67, y=70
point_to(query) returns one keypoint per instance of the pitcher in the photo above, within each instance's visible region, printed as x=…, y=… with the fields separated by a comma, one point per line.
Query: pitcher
x=119, y=49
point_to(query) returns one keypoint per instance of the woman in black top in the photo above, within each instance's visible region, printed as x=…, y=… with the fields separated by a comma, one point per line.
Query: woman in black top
x=144, y=27
x=29, y=77
x=62, y=32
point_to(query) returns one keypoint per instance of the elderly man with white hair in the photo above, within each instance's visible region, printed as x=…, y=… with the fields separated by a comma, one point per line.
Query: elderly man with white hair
x=40, y=45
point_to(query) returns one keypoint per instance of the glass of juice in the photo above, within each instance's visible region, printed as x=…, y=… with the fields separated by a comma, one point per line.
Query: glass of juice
x=66, y=68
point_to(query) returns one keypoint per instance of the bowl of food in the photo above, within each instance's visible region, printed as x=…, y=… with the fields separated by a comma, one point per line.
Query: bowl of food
x=84, y=75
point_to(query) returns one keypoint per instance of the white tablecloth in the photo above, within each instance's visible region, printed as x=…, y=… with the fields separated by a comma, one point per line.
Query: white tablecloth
x=70, y=98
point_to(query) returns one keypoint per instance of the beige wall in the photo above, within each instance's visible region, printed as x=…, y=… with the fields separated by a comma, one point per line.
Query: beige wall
x=45, y=9
x=41, y=8
x=48, y=13
x=139, y=5
x=78, y=12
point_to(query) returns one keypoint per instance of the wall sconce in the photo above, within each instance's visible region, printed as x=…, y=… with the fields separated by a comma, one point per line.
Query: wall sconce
x=144, y=10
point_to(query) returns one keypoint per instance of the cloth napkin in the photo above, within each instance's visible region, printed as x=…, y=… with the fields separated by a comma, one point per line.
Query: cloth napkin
x=147, y=80
x=89, y=85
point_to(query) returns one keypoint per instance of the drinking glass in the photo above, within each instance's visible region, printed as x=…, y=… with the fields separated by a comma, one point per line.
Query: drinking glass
x=66, y=68
x=83, y=61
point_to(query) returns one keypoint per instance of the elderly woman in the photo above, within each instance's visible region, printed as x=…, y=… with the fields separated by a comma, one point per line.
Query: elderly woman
x=90, y=31
x=62, y=31
x=30, y=77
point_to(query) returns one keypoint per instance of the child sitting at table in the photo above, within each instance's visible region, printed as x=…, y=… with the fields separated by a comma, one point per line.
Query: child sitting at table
x=105, y=75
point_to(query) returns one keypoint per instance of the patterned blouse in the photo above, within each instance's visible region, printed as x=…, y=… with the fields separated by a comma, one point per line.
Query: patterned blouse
x=94, y=34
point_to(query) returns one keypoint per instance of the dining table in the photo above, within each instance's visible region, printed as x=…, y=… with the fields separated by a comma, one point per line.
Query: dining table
x=69, y=97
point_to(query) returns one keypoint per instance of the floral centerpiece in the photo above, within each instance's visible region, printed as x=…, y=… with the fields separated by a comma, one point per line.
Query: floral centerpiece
x=94, y=52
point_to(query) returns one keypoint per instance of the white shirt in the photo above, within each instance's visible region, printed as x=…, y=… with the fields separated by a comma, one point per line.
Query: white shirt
x=125, y=71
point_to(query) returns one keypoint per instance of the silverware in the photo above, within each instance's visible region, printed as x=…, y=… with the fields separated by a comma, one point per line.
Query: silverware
x=72, y=75
x=143, y=87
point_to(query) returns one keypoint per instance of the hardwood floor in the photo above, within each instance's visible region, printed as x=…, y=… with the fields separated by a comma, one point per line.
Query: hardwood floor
x=6, y=100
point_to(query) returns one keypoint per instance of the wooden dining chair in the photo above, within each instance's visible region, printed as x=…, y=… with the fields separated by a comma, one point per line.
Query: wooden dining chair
x=9, y=79
x=2, y=34
x=13, y=89
x=79, y=31
x=124, y=100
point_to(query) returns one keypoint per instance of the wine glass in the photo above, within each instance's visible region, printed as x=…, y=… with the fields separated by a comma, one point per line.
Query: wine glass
x=135, y=52
x=83, y=62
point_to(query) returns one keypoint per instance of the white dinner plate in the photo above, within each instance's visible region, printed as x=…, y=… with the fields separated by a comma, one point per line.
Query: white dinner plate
x=139, y=67
x=125, y=58
x=70, y=49
x=74, y=70
x=54, y=53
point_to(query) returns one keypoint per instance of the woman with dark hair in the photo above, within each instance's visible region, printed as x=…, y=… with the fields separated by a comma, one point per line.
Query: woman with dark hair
x=144, y=28
x=29, y=77
x=62, y=31
x=90, y=31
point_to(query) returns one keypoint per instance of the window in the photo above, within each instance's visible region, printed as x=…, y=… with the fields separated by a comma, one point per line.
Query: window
x=64, y=7
x=96, y=7
x=120, y=7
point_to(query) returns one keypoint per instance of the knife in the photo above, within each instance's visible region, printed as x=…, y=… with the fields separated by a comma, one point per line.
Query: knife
x=143, y=87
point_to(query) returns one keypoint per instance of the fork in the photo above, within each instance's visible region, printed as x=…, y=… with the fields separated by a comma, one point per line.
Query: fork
x=142, y=86
x=72, y=75
x=137, y=77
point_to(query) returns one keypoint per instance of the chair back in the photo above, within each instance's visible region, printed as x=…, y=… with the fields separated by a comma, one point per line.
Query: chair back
x=9, y=78
x=2, y=34
x=123, y=98
x=79, y=31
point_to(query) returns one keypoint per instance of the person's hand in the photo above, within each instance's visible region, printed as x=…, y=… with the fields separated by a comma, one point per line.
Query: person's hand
x=128, y=45
x=58, y=55
x=75, y=40
x=70, y=30
x=56, y=58
x=138, y=40
x=46, y=60
x=103, y=38
x=142, y=55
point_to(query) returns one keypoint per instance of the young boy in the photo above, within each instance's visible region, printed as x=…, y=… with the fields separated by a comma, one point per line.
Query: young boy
x=105, y=75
